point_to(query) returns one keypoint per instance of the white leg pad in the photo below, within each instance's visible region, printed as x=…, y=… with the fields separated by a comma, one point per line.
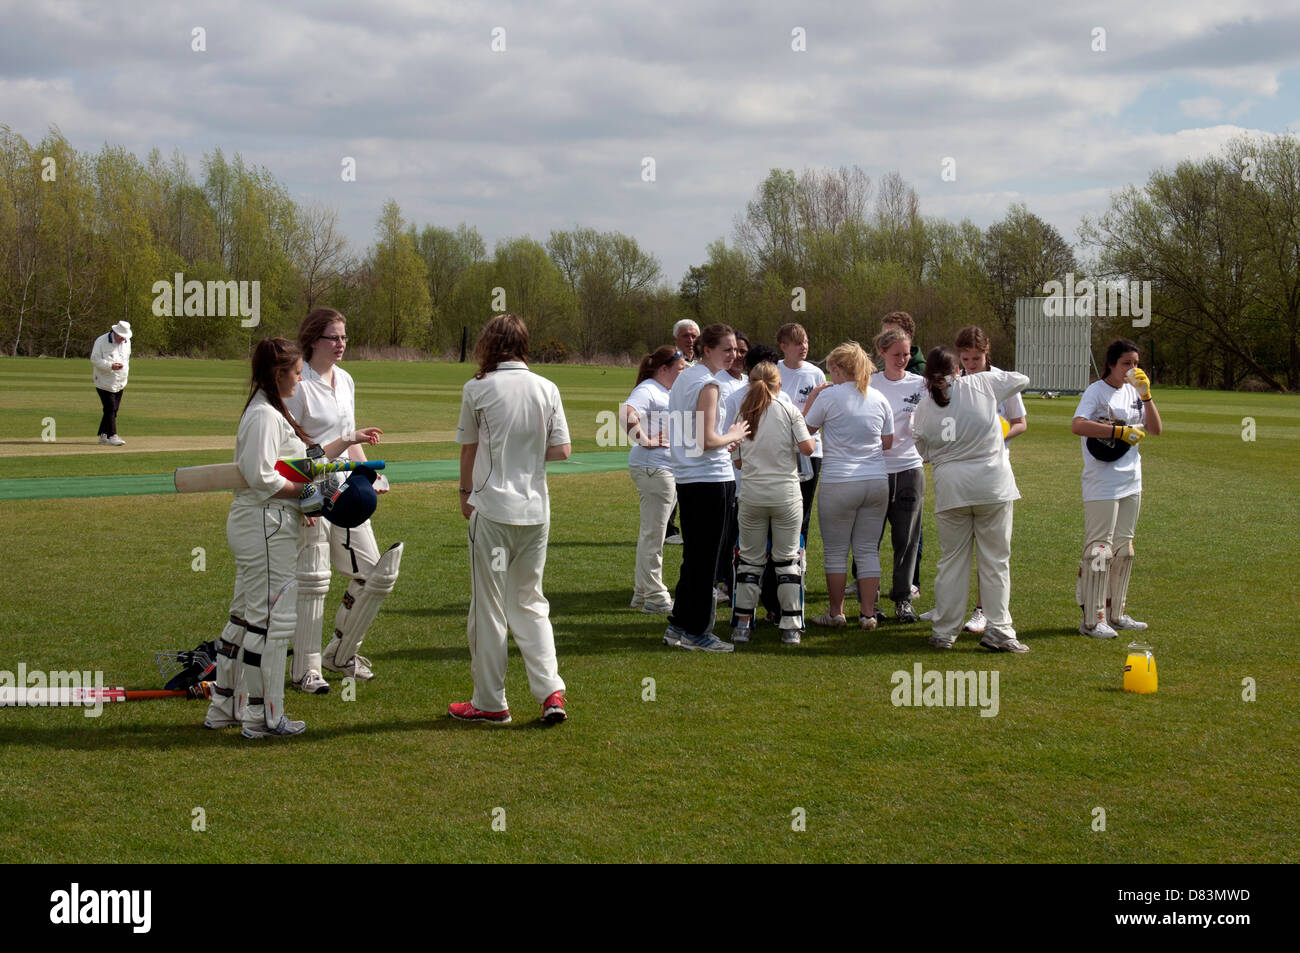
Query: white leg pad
x=225, y=695
x=789, y=592
x=361, y=604
x=1121, y=567
x=1094, y=574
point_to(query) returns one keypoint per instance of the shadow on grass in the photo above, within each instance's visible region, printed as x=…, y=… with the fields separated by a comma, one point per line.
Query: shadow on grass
x=190, y=734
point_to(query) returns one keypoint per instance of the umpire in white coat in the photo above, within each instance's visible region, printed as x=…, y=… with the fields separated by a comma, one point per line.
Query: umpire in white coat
x=511, y=423
x=111, y=359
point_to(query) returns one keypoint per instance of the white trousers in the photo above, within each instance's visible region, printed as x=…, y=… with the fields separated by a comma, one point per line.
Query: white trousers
x=658, y=492
x=960, y=529
x=506, y=565
x=264, y=541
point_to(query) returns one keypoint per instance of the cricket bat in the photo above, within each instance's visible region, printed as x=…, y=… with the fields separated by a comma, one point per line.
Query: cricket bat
x=55, y=697
x=226, y=476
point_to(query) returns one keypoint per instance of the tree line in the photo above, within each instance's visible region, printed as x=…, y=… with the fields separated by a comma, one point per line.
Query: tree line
x=86, y=237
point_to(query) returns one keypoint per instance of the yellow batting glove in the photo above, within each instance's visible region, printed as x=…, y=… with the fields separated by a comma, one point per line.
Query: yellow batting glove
x=1130, y=435
x=1006, y=426
x=1138, y=378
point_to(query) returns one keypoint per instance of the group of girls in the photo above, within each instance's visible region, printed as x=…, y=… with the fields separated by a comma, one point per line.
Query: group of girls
x=874, y=430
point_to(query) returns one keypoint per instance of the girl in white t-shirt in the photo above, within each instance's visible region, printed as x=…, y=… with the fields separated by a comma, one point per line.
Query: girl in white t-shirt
x=706, y=487
x=1118, y=409
x=770, y=501
x=904, y=391
x=973, y=348
x=857, y=427
x=957, y=430
x=649, y=463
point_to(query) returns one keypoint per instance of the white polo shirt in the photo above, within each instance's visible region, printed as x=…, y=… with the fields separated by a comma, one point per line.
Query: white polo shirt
x=326, y=413
x=264, y=437
x=514, y=416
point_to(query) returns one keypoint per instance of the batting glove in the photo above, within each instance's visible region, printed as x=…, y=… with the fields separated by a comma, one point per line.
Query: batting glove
x=310, y=499
x=1138, y=378
x=1130, y=435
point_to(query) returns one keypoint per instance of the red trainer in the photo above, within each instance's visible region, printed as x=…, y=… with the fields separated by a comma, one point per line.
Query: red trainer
x=553, y=709
x=464, y=711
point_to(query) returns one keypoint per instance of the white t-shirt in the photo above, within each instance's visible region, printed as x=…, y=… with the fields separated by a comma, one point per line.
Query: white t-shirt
x=732, y=411
x=1123, y=477
x=690, y=463
x=326, y=413
x=650, y=401
x=852, y=424
x=514, y=416
x=727, y=384
x=903, y=396
x=798, y=384
x=963, y=440
x=1013, y=408
x=264, y=437
x=770, y=461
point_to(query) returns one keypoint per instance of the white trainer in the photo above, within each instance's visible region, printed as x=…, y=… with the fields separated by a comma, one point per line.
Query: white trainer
x=927, y=615
x=1099, y=631
x=674, y=540
x=103, y=438
x=977, y=623
x=1126, y=622
x=637, y=602
x=284, y=729
x=789, y=636
x=313, y=684
x=115, y=441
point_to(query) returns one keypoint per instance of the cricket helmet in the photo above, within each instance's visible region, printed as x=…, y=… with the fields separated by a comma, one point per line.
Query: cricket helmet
x=354, y=502
x=1107, y=451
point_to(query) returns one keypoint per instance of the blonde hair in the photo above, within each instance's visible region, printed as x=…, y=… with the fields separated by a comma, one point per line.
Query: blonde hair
x=764, y=385
x=853, y=363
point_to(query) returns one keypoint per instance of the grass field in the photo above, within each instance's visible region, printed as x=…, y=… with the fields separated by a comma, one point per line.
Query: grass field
x=716, y=766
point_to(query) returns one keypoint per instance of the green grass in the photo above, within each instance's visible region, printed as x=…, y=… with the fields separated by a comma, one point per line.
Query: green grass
x=713, y=767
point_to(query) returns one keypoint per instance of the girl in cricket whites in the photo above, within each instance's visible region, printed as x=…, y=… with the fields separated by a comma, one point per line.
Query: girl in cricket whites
x=770, y=503
x=649, y=463
x=325, y=406
x=857, y=427
x=706, y=487
x=1114, y=414
x=957, y=430
x=511, y=423
x=263, y=530
x=973, y=348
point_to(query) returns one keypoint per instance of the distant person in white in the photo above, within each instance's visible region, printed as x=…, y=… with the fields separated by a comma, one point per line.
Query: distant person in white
x=957, y=430
x=1117, y=407
x=650, y=464
x=511, y=423
x=798, y=378
x=111, y=359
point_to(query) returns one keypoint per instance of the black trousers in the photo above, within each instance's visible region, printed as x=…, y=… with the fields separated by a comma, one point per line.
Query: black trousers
x=705, y=508
x=111, y=401
x=807, y=488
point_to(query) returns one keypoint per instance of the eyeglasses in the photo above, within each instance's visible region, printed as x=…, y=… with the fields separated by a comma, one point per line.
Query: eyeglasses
x=340, y=338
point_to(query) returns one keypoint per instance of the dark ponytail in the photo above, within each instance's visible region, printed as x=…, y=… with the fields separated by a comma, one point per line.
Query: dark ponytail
x=656, y=359
x=271, y=358
x=940, y=363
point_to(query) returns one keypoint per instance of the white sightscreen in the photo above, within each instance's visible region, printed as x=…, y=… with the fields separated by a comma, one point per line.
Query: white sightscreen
x=1054, y=352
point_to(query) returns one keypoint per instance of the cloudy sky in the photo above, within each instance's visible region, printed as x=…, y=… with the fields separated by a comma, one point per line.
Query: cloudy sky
x=551, y=132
